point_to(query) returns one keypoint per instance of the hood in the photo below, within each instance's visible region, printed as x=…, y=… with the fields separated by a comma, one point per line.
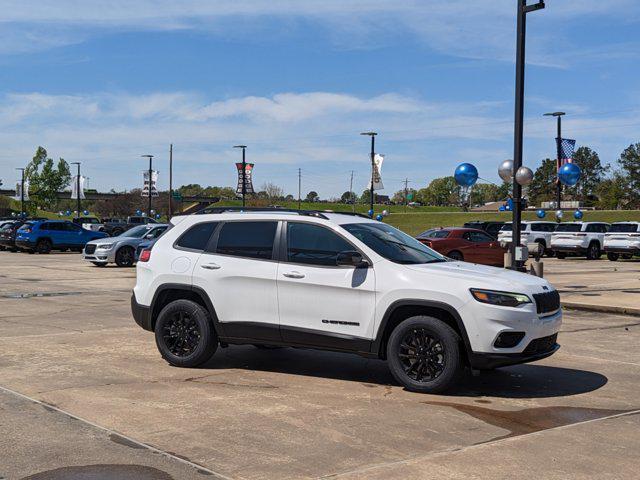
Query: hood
x=483, y=276
x=106, y=239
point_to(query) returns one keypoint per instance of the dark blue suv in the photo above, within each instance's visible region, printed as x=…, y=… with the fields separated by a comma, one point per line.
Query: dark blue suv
x=46, y=235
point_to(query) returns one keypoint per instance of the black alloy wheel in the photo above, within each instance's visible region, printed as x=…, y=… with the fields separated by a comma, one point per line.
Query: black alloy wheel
x=125, y=256
x=181, y=334
x=593, y=252
x=421, y=355
x=456, y=255
x=43, y=246
x=613, y=256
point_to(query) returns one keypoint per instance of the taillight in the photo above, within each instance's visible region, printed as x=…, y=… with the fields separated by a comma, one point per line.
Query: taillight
x=145, y=255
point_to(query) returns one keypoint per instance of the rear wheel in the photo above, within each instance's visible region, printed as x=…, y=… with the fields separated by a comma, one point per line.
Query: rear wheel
x=184, y=334
x=456, y=255
x=117, y=232
x=43, y=246
x=613, y=256
x=561, y=255
x=424, y=355
x=593, y=251
x=125, y=257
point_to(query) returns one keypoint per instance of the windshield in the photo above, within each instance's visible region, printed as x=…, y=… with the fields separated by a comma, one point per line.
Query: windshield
x=507, y=227
x=137, y=232
x=623, y=227
x=568, y=227
x=393, y=244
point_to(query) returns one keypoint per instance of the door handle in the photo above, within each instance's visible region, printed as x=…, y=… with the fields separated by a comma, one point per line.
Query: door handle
x=210, y=266
x=293, y=275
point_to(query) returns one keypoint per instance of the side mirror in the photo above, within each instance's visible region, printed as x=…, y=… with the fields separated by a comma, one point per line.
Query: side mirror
x=351, y=259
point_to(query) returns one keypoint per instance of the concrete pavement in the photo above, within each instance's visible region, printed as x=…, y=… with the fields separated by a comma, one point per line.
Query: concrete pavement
x=292, y=413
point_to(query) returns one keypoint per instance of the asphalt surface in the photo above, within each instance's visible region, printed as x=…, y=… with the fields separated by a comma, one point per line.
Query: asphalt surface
x=85, y=395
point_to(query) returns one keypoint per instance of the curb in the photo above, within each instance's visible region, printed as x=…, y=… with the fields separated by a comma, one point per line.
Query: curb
x=602, y=308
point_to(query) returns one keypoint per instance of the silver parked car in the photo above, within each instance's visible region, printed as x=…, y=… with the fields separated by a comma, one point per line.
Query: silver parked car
x=121, y=249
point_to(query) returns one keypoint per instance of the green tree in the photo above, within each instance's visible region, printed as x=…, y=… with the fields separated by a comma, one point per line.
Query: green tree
x=593, y=173
x=543, y=186
x=630, y=163
x=348, y=197
x=312, y=196
x=504, y=190
x=482, y=193
x=401, y=196
x=46, y=179
x=440, y=192
x=612, y=192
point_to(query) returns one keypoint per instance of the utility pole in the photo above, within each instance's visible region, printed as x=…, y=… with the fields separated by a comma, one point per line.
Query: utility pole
x=21, y=193
x=523, y=9
x=373, y=161
x=244, y=172
x=299, y=187
x=150, y=157
x=406, y=192
x=353, y=199
x=558, y=115
x=170, y=180
x=77, y=188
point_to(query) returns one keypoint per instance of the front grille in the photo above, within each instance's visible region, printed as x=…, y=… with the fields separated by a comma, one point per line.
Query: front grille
x=547, y=302
x=89, y=248
x=541, y=345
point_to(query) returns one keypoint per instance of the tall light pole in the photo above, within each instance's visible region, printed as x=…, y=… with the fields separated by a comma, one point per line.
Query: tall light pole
x=558, y=115
x=244, y=172
x=77, y=188
x=523, y=9
x=373, y=162
x=170, y=180
x=21, y=193
x=150, y=157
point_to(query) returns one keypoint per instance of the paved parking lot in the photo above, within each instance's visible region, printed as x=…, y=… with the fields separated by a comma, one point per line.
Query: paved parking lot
x=70, y=347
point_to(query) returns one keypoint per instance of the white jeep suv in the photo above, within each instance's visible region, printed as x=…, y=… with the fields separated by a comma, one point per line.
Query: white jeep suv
x=341, y=282
x=623, y=238
x=531, y=232
x=581, y=238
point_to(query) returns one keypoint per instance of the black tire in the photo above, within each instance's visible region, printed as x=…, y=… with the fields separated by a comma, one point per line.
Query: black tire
x=430, y=344
x=627, y=256
x=593, y=251
x=125, y=257
x=561, y=255
x=117, y=232
x=613, y=256
x=185, y=335
x=456, y=255
x=43, y=246
x=100, y=264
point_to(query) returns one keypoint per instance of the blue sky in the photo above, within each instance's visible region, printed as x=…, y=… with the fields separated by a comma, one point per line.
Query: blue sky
x=296, y=81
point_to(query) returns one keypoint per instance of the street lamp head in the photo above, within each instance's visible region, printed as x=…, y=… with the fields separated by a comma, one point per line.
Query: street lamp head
x=554, y=114
x=75, y=163
x=240, y=146
x=147, y=156
x=371, y=134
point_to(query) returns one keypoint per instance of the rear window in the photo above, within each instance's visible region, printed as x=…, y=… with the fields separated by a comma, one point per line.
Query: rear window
x=434, y=234
x=542, y=227
x=197, y=237
x=247, y=239
x=624, y=227
x=568, y=227
x=507, y=227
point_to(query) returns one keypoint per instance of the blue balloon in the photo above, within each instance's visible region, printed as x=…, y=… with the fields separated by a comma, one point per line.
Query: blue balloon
x=138, y=212
x=569, y=174
x=157, y=215
x=370, y=212
x=541, y=213
x=68, y=212
x=502, y=208
x=578, y=214
x=466, y=175
x=85, y=212
x=379, y=217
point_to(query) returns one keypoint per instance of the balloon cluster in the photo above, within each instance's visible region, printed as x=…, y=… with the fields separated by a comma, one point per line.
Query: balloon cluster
x=524, y=175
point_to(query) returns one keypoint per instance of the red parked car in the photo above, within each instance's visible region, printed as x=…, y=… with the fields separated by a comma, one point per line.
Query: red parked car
x=466, y=244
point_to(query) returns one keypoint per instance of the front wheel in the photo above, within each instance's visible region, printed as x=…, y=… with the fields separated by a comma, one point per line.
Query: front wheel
x=593, y=252
x=125, y=257
x=613, y=256
x=424, y=355
x=184, y=334
x=43, y=246
x=456, y=255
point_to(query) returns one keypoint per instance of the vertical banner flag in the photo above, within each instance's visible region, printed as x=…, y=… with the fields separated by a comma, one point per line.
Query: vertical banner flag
x=74, y=187
x=19, y=190
x=566, y=146
x=248, y=185
x=154, y=180
x=376, y=177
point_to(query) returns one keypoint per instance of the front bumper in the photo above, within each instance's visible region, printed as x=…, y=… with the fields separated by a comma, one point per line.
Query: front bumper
x=99, y=255
x=141, y=314
x=625, y=249
x=25, y=244
x=565, y=247
x=488, y=361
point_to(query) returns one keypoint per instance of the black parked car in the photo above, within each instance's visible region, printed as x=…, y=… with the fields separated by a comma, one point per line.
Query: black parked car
x=492, y=228
x=8, y=235
x=116, y=226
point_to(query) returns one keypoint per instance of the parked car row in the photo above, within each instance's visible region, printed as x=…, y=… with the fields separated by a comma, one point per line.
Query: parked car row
x=475, y=243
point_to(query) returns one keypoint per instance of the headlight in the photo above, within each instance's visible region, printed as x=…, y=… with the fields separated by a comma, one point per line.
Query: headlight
x=105, y=246
x=503, y=299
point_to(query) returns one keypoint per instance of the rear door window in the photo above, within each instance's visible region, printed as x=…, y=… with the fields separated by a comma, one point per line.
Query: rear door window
x=197, y=237
x=247, y=239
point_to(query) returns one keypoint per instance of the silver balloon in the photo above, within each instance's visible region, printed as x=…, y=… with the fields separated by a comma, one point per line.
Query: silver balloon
x=558, y=214
x=524, y=176
x=505, y=170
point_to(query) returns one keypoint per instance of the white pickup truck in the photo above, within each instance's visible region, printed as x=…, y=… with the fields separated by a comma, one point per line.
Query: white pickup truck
x=538, y=232
x=90, y=223
x=579, y=238
x=623, y=238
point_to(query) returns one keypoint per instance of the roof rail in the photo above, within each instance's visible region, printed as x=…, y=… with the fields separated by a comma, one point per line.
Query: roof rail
x=309, y=213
